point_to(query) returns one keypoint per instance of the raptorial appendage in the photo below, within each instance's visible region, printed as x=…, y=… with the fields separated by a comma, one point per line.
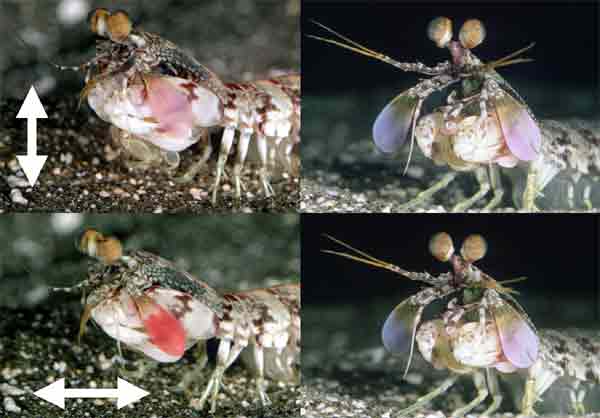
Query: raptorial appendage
x=160, y=101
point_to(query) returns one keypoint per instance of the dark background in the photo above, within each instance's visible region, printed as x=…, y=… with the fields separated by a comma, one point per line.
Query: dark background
x=237, y=39
x=228, y=252
x=558, y=255
x=565, y=34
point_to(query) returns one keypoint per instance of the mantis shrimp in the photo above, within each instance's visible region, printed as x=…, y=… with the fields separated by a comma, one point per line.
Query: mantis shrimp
x=151, y=306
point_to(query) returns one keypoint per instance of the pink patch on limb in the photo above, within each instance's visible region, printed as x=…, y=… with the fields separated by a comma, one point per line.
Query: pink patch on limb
x=519, y=343
x=165, y=331
x=522, y=134
x=170, y=106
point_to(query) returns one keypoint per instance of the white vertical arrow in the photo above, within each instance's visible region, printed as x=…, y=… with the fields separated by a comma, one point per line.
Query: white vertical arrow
x=31, y=109
x=125, y=393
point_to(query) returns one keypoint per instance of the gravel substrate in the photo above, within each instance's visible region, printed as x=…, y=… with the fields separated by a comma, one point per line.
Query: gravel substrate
x=343, y=171
x=37, y=348
x=81, y=175
x=348, y=373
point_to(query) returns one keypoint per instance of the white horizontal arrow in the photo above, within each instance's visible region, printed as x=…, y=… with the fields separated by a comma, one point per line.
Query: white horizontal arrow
x=31, y=109
x=125, y=393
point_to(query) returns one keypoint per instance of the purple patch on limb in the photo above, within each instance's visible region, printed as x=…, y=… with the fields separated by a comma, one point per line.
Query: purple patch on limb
x=393, y=124
x=520, y=344
x=522, y=134
x=397, y=330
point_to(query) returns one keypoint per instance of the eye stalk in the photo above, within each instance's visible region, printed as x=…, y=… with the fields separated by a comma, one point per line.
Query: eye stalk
x=439, y=31
x=116, y=25
x=472, y=33
x=441, y=246
x=106, y=249
x=98, y=21
x=474, y=248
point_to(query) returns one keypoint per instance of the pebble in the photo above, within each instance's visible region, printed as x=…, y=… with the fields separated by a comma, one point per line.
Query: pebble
x=11, y=390
x=16, y=181
x=60, y=366
x=66, y=158
x=14, y=165
x=198, y=194
x=104, y=194
x=414, y=378
x=10, y=405
x=415, y=171
x=17, y=197
x=104, y=362
x=361, y=198
x=10, y=373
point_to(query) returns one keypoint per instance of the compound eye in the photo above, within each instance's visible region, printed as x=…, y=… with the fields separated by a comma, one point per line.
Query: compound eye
x=441, y=246
x=439, y=31
x=98, y=21
x=474, y=248
x=472, y=33
x=89, y=242
x=106, y=249
x=119, y=26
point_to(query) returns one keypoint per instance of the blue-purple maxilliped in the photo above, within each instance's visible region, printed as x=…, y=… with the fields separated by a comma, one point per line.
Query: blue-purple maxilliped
x=398, y=329
x=393, y=124
x=521, y=132
x=520, y=344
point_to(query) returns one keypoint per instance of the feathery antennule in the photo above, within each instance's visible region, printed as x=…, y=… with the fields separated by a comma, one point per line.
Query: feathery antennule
x=53, y=64
x=508, y=60
x=70, y=289
x=515, y=280
x=352, y=45
x=368, y=259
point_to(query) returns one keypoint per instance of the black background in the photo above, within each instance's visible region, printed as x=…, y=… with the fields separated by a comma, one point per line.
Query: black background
x=565, y=34
x=557, y=253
